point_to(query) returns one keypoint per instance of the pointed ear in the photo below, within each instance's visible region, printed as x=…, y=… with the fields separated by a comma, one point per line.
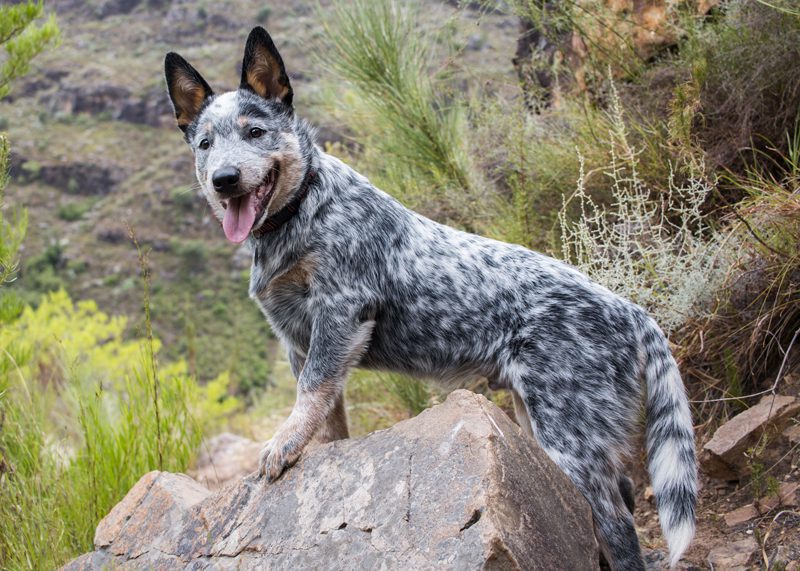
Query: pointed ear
x=187, y=89
x=262, y=69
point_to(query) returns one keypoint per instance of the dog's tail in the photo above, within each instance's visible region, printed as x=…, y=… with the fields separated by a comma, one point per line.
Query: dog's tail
x=670, y=440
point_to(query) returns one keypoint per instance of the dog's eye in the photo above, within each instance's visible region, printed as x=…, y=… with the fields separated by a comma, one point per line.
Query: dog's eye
x=255, y=132
x=204, y=144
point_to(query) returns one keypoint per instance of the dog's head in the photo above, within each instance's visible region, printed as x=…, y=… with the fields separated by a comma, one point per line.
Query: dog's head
x=248, y=158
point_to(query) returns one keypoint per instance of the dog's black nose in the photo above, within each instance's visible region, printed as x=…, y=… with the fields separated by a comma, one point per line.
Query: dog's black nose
x=226, y=180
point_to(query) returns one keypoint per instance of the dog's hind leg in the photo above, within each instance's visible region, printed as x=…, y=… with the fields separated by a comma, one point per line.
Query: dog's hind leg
x=521, y=413
x=598, y=479
x=626, y=488
x=585, y=438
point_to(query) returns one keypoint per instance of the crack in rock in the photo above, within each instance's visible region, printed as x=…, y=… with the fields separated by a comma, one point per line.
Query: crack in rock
x=476, y=516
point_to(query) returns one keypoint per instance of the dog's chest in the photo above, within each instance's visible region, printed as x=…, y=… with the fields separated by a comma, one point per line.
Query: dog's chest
x=285, y=302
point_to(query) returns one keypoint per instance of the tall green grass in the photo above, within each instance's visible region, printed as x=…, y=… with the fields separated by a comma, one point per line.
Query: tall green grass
x=83, y=415
x=400, y=105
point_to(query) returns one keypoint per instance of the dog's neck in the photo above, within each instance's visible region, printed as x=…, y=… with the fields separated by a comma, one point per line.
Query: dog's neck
x=274, y=250
x=275, y=221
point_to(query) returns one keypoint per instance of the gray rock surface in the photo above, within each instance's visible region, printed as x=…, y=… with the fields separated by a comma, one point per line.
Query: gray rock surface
x=458, y=487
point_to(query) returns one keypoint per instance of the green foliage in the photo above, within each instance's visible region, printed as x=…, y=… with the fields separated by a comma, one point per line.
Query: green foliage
x=85, y=413
x=219, y=328
x=263, y=15
x=184, y=198
x=43, y=272
x=74, y=211
x=12, y=229
x=414, y=394
x=409, y=120
x=23, y=39
x=193, y=255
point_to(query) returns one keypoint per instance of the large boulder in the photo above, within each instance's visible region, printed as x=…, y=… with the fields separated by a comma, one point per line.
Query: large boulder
x=458, y=487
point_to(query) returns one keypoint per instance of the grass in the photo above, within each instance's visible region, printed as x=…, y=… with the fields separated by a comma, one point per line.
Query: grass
x=400, y=107
x=84, y=415
x=758, y=313
x=748, y=94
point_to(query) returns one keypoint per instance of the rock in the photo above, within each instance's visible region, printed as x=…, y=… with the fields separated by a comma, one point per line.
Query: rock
x=226, y=458
x=733, y=557
x=82, y=178
x=723, y=456
x=113, y=101
x=458, y=487
x=787, y=496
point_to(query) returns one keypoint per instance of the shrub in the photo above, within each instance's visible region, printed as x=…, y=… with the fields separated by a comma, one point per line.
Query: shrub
x=746, y=69
x=183, y=197
x=74, y=211
x=193, y=255
x=758, y=312
x=85, y=413
x=263, y=14
x=407, y=118
x=659, y=251
x=30, y=170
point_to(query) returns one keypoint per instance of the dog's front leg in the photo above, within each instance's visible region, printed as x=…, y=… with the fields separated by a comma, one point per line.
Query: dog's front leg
x=335, y=427
x=336, y=345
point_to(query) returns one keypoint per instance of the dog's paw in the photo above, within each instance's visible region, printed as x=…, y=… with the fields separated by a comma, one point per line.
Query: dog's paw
x=277, y=455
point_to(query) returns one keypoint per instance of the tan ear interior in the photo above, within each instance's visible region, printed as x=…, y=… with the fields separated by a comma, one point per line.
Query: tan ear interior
x=264, y=74
x=188, y=96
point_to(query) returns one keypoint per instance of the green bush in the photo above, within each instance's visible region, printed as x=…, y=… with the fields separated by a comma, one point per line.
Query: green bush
x=183, y=197
x=411, y=123
x=85, y=413
x=74, y=211
x=263, y=14
x=30, y=170
x=193, y=255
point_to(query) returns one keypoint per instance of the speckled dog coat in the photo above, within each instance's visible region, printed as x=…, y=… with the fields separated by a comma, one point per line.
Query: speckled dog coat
x=347, y=276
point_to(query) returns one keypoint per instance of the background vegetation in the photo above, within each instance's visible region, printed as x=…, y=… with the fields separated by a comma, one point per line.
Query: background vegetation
x=664, y=161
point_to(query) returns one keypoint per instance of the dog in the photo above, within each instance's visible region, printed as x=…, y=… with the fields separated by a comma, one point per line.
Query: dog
x=347, y=276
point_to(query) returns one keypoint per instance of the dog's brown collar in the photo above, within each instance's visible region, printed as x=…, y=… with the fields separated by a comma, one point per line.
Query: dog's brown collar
x=283, y=215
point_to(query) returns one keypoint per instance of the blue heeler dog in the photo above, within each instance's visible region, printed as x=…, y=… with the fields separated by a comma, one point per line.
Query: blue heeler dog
x=348, y=277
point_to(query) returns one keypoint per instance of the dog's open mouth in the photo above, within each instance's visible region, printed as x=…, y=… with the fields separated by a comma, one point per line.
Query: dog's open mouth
x=242, y=212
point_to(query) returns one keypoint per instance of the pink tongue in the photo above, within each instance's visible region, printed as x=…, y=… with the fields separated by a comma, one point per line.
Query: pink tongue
x=239, y=218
